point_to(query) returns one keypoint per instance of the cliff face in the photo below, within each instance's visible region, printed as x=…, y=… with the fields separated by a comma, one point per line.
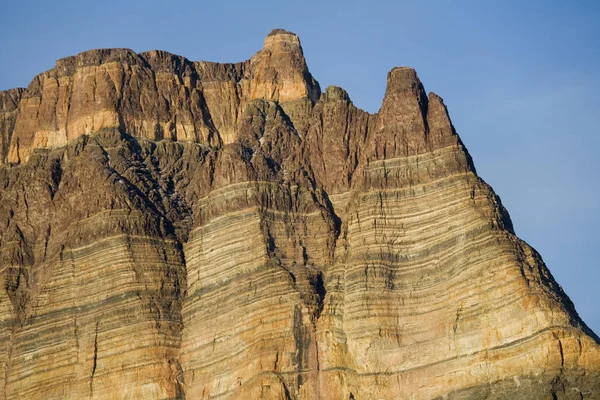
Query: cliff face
x=177, y=229
x=153, y=95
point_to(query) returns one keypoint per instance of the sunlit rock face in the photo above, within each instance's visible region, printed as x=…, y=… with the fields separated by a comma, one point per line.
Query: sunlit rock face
x=191, y=230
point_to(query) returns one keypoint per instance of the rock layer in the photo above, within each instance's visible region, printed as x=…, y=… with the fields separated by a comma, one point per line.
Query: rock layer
x=177, y=229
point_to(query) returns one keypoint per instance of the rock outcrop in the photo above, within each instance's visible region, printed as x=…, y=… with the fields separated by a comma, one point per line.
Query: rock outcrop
x=177, y=229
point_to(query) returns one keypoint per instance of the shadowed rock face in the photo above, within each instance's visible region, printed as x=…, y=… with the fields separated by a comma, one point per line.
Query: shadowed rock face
x=177, y=229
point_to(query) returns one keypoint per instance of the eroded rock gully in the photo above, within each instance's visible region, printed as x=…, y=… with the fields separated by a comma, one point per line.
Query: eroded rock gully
x=177, y=229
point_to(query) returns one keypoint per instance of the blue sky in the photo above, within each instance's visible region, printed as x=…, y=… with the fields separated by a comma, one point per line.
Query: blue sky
x=521, y=80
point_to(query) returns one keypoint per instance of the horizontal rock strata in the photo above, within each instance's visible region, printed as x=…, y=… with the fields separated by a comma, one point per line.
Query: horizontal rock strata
x=173, y=229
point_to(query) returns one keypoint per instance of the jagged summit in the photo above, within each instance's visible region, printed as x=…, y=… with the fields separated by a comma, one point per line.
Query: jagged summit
x=176, y=229
x=155, y=95
x=280, y=71
x=159, y=95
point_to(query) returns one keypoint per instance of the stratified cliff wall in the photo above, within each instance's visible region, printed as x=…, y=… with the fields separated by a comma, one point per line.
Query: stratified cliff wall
x=175, y=229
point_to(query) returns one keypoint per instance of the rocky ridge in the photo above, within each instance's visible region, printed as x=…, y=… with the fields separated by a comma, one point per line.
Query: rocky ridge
x=177, y=229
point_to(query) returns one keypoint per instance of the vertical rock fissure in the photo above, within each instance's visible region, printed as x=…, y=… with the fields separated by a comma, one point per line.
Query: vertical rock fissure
x=299, y=342
x=181, y=296
x=318, y=288
x=95, y=361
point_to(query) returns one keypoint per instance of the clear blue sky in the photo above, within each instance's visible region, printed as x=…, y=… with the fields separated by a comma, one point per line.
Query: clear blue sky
x=521, y=80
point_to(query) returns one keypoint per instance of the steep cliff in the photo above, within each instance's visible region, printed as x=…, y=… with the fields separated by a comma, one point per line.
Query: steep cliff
x=177, y=229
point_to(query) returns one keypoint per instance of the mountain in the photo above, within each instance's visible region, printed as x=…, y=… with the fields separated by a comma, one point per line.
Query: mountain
x=192, y=230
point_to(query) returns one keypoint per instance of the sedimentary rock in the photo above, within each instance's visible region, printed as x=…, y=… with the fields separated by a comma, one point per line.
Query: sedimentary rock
x=178, y=229
x=9, y=101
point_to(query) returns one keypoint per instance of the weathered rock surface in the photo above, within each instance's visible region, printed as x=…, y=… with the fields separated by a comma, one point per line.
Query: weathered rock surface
x=176, y=229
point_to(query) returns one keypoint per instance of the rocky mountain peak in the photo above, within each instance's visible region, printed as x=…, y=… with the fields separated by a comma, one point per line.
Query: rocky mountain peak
x=336, y=93
x=191, y=230
x=405, y=102
x=279, y=70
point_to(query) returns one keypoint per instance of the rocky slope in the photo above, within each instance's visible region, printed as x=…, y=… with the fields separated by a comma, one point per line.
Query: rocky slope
x=176, y=229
